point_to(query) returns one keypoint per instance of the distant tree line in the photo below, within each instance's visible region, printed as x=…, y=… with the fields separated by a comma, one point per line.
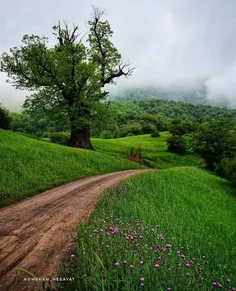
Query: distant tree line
x=145, y=116
x=124, y=118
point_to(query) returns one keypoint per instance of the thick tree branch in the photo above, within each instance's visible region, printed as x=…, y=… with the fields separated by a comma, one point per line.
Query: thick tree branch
x=120, y=72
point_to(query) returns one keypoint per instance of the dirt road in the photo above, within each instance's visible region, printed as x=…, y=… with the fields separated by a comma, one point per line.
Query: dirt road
x=34, y=232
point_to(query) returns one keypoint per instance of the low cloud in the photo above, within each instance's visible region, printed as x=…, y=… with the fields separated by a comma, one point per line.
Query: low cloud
x=175, y=44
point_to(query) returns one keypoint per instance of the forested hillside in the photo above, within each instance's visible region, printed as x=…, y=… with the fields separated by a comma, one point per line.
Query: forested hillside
x=197, y=95
x=126, y=117
x=171, y=109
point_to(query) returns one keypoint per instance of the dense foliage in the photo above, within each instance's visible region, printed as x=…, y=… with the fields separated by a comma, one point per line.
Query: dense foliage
x=40, y=126
x=144, y=116
x=5, y=119
x=123, y=118
x=215, y=141
x=176, y=144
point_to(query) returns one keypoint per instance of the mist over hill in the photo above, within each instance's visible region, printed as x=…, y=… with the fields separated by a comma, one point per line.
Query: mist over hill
x=193, y=95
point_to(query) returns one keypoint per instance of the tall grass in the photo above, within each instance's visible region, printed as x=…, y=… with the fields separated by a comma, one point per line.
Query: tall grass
x=28, y=166
x=171, y=230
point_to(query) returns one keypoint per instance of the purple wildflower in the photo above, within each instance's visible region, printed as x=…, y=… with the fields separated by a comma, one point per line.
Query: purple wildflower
x=188, y=265
x=214, y=284
x=168, y=246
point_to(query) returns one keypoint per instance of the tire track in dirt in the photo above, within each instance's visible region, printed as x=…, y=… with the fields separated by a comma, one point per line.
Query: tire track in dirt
x=34, y=232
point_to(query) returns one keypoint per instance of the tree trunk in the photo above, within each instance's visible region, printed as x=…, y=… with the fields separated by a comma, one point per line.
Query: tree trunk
x=80, y=138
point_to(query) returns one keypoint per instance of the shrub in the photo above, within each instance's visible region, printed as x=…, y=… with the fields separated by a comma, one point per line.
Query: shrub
x=161, y=125
x=39, y=134
x=176, y=144
x=135, y=128
x=106, y=134
x=148, y=128
x=122, y=132
x=177, y=127
x=215, y=141
x=227, y=169
x=155, y=133
x=46, y=134
x=5, y=120
x=61, y=138
x=130, y=134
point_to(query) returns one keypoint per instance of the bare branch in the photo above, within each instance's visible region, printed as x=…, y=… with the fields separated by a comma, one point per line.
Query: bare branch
x=123, y=70
x=98, y=13
x=67, y=35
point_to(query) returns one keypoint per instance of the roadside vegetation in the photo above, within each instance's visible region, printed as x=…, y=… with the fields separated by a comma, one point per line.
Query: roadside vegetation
x=170, y=230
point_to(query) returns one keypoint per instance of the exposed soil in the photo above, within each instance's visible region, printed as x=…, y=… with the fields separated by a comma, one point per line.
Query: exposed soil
x=34, y=232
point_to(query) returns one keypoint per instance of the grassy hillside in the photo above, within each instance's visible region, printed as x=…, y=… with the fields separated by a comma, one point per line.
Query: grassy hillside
x=28, y=166
x=154, y=150
x=171, y=230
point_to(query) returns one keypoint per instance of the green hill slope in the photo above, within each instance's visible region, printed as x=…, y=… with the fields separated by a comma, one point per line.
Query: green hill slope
x=154, y=150
x=28, y=166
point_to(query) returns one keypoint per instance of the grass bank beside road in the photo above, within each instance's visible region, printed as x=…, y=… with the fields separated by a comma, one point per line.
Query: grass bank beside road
x=170, y=230
x=29, y=166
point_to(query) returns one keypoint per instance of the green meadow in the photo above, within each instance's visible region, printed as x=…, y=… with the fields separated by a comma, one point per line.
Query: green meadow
x=170, y=230
x=154, y=150
x=29, y=166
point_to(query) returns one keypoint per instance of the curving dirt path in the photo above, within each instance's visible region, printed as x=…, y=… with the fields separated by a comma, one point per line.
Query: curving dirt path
x=34, y=232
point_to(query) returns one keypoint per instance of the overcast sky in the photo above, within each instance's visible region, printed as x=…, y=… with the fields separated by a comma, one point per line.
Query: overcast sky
x=174, y=43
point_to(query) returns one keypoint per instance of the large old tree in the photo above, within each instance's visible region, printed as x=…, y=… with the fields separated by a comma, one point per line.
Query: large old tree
x=68, y=78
